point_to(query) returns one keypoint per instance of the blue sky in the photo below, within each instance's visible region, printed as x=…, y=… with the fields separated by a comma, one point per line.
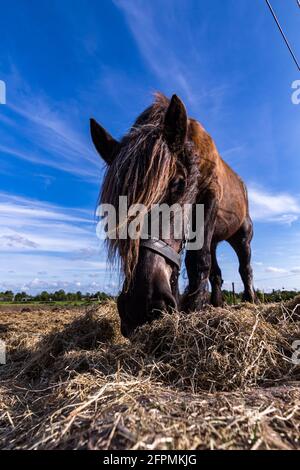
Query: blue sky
x=64, y=61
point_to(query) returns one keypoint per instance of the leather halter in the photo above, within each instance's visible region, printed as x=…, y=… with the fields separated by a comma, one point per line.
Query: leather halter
x=162, y=248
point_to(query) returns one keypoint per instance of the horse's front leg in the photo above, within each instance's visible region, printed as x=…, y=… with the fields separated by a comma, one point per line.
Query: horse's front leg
x=198, y=263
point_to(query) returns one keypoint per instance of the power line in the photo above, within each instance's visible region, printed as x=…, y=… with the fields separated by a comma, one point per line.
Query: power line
x=284, y=276
x=283, y=34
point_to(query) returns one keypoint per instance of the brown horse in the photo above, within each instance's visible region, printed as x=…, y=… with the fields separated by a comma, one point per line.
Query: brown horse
x=169, y=158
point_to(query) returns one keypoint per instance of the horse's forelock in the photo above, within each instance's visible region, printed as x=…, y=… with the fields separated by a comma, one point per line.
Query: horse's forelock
x=142, y=171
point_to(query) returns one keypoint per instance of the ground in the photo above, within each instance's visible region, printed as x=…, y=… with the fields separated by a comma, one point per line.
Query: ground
x=224, y=378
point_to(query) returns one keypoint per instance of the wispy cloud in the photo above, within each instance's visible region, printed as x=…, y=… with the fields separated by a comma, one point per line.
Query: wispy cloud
x=271, y=207
x=273, y=269
x=176, y=60
x=144, y=25
x=16, y=240
x=296, y=270
x=48, y=133
x=14, y=208
x=27, y=223
x=36, y=234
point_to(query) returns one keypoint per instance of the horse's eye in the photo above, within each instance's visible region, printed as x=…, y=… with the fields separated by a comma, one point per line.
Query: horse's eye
x=178, y=185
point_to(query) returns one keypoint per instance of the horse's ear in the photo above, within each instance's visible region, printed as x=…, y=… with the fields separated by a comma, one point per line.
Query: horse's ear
x=105, y=144
x=176, y=123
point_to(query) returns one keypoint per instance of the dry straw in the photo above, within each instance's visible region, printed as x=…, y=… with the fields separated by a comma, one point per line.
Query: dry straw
x=222, y=379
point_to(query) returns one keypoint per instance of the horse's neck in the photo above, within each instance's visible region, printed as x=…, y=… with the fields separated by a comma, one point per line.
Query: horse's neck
x=210, y=164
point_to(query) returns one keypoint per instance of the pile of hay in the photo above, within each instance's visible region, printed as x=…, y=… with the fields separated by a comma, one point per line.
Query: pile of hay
x=223, y=378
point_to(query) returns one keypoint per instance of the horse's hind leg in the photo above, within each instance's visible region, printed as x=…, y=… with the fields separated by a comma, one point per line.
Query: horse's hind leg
x=215, y=278
x=240, y=242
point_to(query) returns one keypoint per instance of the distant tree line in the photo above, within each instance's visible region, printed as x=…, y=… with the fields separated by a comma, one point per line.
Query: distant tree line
x=57, y=296
x=264, y=297
x=62, y=296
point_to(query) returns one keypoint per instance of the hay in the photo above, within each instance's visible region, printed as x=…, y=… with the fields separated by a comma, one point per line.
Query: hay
x=284, y=312
x=221, y=379
x=219, y=349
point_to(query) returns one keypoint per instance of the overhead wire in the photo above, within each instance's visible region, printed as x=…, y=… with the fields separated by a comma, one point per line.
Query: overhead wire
x=283, y=34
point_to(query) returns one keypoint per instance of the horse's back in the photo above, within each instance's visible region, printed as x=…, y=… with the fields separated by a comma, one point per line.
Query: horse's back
x=219, y=181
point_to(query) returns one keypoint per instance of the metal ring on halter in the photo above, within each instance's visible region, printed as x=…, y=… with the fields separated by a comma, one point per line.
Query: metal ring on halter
x=162, y=248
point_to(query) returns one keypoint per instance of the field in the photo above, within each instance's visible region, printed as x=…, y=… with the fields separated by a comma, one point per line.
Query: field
x=220, y=379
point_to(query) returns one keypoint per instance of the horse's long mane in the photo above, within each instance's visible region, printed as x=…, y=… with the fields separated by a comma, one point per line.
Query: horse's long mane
x=142, y=171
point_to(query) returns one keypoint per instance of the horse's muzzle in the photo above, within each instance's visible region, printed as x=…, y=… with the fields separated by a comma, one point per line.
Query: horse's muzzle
x=135, y=312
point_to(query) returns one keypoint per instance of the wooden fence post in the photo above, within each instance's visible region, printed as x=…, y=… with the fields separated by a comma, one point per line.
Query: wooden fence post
x=233, y=294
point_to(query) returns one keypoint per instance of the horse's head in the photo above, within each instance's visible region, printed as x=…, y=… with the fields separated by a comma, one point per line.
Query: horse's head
x=154, y=163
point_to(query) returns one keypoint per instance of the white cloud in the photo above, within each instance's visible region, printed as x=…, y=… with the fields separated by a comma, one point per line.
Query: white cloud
x=273, y=269
x=143, y=23
x=55, y=129
x=16, y=207
x=37, y=285
x=41, y=241
x=62, y=272
x=16, y=240
x=30, y=224
x=295, y=270
x=177, y=61
x=269, y=207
